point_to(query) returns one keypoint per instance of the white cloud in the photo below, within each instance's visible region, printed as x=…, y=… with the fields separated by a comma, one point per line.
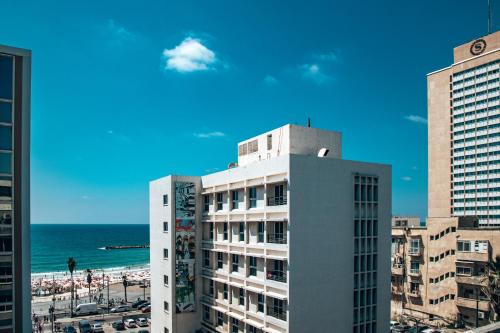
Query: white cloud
x=406, y=178
x=329, y=56
x=189, y=56
x=209, y=135
x=416, y=119
x=119, y=33
x=270, y=80
x=314, y=73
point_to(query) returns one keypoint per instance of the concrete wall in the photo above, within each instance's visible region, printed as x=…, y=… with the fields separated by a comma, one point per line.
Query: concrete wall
x=462, y=52
x=175, y=322
x=321, y=243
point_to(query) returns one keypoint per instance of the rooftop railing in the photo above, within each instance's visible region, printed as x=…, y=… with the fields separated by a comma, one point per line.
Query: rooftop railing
x=276, y=201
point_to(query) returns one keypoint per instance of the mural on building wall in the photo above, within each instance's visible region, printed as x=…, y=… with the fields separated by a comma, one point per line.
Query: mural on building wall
x=185, y=242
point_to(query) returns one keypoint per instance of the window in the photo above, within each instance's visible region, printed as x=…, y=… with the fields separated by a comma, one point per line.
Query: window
x=165, y=200
x=211, y=231
x=235, y=261
x=5, y=112
x=6, y=163
x=220, y=260
x=165, y=226
x=260, y=303
x=464, y=270
x=415, y=246
x=253, y=266
x=260, y=234
x=414, y=288
x=206, y=203
x=242, y=149
x=242, y=231
x=414, y=267
x=225, y=231
x=206, y=258
x=225, y=292
x=166, y=306
x=165, y=330
x=165, y=280
x=253, y=146
x=234, y=325
x=269, y=141
x=463, y=246
x=252, y=329
x=165, y=253
x=211, y=288
x=234, y=199
x=6, y=68
x=206, y=313
x=220, y=318
x=220, y=200
x=242, y=297
x=252, y=194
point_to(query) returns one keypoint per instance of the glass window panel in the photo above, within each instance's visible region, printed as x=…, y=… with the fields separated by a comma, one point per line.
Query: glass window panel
x=6, y=112
x=6, y=71
x=6, y=163
x=5, y=137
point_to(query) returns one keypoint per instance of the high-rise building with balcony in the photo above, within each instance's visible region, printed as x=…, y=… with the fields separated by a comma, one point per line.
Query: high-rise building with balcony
x=15, y=290
x=292, y=238
x=440, y=272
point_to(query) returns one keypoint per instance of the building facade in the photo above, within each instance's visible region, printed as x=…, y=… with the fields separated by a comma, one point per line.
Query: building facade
x=15, y=290
x=439, y=271
x=278, y=243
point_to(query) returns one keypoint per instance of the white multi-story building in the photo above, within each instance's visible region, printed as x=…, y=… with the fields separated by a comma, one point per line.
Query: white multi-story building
x=291, y=239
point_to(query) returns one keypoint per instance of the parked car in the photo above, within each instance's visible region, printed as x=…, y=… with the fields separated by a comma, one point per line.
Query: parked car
x=84, y=326
x=69, y=329
x=142, y=322
x=97, y=328
x=85, y=309
x=121, y=308
x=130, y=323
x=118, y=325
x=143, y=305
x=146, y=309
x=142, y=331
x=400, y=329
x=431, y=330
x=139, y=302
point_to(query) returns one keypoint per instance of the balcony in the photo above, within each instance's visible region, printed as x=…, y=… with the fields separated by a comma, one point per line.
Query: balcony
x=415, y=251
x=278, y=276
x=397, y=270
x=414, y=292
x=276, y=201
x=276, y=313
x=471, y=256
x=414, y=273
x=472, y=280
x=276, y=238
x=397, y=290
x=482, y=305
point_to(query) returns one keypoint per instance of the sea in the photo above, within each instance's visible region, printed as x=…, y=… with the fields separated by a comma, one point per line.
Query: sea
x=53, y=244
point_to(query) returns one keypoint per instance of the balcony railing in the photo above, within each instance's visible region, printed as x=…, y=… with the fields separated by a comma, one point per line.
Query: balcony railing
x=276, y=276
x=474, y=279
x=481, y=304
x=415, y=251
x=414, y=272
x=276, y=313
x=277, y=238
x=414, y=292
x=276, y=201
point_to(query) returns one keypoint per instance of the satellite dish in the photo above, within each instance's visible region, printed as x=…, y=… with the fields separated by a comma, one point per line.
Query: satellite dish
x=323, y=152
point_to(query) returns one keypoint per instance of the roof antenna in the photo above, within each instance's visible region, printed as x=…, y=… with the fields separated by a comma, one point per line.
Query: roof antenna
x=489, y=17
x=308, y=122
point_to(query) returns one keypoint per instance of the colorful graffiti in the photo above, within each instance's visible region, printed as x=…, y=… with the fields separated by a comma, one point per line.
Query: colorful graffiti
x=185, y=246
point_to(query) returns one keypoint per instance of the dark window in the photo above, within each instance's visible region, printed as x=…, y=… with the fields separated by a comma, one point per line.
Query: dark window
x=206, y=203
x=253, y=266
x=242, y=297
x=165, y=226
x=269, y=141
x=252, y=194
x=235, y=261
x=166, y=306
x=206, y=258
x=165, y=199
x=211, y=231
x=220, y=198
x=5, y=112
x=206, y=313
x=260, y=235
x=6, y=68
x=234, y=199
x=6, y=163
x=225, y=231
x=5, y=138
x=165, y=280
x=260, y=301
x=225, y=292
x=234, y=325
x=242, y=231
x=220, y=260
x=165, y=253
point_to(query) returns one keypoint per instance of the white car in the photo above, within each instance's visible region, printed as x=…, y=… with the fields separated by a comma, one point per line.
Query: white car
x=430, y=330
x=121, y=308
x=97, y=328
x=130, y=323
x=142, y=322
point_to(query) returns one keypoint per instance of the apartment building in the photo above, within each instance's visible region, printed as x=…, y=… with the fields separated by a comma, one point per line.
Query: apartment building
x=15, y=291
x=438, y=271
x=292, y=238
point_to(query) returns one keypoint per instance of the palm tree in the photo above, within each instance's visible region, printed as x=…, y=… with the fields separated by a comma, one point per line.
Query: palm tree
x=491, y=287
x=124, y=278
x=71, y=268
x=89, y=281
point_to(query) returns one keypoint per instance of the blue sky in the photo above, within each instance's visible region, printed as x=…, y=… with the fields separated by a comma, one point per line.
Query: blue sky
x=124, y=92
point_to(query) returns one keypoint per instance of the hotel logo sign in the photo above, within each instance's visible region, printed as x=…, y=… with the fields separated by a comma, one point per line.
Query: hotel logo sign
x=478, y=47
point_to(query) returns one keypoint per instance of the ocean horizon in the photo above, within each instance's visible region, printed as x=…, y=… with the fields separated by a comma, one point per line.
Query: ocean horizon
x=52, y=245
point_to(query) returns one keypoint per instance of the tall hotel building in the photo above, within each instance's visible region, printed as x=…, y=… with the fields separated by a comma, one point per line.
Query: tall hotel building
x=15, y=291
x=292, y=238
x=440, y=271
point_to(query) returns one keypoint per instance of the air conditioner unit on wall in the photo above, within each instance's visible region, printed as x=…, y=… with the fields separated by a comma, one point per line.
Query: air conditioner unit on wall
x=480, y=315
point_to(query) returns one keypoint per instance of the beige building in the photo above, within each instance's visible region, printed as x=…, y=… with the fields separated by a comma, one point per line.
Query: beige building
x=438, y=270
